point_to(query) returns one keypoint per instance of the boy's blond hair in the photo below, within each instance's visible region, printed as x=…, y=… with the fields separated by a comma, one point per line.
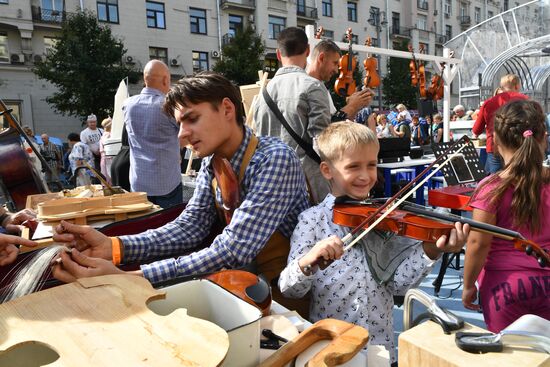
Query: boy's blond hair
x=340, y=136
x=510, y=82
x=438, y=116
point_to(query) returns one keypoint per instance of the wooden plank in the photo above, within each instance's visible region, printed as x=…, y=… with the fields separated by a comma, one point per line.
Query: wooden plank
x=104, y=321
x=427, y=345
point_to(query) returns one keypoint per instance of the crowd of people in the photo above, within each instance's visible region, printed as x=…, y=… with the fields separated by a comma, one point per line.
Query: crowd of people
x=300, y=157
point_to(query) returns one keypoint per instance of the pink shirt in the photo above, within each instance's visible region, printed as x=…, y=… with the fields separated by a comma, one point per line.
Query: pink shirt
x=503, y=255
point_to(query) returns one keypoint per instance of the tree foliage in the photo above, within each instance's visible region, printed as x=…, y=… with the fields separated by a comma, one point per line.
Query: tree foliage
x=397, y=82
x=242, y=57
x=85, y=66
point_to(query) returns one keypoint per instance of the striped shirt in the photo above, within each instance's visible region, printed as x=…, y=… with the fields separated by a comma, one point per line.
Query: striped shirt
x=273, y=194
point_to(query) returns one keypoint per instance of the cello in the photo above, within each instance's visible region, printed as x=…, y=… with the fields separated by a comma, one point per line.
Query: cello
x=372, y=79
x=16, y=171
x=345, y=84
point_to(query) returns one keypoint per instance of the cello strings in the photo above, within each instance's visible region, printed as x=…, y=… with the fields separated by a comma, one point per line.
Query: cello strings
x=30, y=277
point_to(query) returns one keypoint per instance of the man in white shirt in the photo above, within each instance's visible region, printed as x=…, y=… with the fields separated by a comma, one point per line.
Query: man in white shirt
x=91, y=137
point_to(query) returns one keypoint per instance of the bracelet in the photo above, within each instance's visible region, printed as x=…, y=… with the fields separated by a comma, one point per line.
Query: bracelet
x=116, y=244
x=339, y=116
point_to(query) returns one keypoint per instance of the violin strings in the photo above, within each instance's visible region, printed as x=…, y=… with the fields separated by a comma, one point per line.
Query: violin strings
x=401, y=200
x=30, y=277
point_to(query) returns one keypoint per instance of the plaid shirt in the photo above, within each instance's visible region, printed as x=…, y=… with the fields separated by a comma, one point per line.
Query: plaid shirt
x=273, y=194
x=51, y=154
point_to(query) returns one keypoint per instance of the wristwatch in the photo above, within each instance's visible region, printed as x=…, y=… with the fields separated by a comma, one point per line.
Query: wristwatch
x=339, y=116
x=309, y=270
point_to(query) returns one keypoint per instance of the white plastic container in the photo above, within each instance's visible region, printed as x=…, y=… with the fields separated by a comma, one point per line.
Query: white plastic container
x=112, y=147
x=207, y=300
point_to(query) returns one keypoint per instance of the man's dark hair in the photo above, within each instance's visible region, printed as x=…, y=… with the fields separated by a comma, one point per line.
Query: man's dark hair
x=204, y=87
x=325, y=46
x=292, y=41
x=73, y=137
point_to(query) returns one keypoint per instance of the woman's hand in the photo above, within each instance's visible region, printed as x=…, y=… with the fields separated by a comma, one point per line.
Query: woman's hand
x=469, y=296
x=85, y=239
x=77, y=265
x=8, y=248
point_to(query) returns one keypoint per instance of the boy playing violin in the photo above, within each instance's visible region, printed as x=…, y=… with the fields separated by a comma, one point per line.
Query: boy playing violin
x=360, y=285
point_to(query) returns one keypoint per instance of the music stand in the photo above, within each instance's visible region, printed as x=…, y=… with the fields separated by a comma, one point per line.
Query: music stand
x=465, y=168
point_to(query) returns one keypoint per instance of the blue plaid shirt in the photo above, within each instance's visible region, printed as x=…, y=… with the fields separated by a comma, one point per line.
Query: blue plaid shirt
x=273, y=194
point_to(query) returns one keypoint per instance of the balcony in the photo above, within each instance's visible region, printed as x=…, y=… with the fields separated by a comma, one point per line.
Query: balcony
x=238, y=4
x=465, y=20
x=422, y=5
x=441, y=38
x=226, y=38
x=50, y=16
x=400, y=32
x=307, y=12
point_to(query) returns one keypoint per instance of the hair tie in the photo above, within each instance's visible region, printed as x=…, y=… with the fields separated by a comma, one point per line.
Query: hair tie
x=527, y=133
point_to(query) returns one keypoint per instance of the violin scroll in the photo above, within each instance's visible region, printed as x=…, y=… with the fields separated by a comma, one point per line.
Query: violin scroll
x=532, y=249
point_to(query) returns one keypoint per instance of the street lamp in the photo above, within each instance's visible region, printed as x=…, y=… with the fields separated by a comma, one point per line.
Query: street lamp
x=378, y=20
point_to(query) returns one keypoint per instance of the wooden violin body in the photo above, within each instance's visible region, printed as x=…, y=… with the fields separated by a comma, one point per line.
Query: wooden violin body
x=421, y=77
x=247, y=286
x=16, y=171
x=412, y=68
x=400, y=222
x=372, y=79
x=345, y=84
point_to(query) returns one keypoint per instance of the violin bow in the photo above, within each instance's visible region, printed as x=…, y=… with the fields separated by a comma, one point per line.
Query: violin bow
x=395, y=205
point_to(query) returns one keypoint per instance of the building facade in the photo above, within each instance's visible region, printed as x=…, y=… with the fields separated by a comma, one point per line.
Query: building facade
x=188, y=35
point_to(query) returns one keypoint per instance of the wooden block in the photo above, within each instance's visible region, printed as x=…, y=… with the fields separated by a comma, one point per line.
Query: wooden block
x=427, y=345
x=104, y=321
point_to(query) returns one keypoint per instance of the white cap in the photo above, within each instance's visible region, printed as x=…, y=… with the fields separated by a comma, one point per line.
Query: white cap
x=91, y=117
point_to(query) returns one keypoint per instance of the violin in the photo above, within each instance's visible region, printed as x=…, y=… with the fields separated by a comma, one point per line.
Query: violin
x=16, y=171
x=420, y=223
x=412, y=68
x=228, y=184
x=345, y=84
x=421, y=76
x=247, y=286
x=372, y=79
x=436, y=90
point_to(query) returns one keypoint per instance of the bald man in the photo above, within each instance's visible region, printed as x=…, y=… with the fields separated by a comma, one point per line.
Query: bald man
x=153, y=139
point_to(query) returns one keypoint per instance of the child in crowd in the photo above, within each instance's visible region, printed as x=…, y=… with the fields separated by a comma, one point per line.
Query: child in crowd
x=359, y=287
x=511, y=283
x=437, y=128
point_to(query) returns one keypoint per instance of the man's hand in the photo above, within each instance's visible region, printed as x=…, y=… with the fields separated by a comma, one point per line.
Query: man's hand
x=356, y=101
x=13, y=223
x=8, y=250
x=84, y=238
x=77, y=265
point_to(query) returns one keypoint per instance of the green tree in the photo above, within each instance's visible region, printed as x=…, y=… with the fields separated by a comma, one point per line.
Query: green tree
x=397, y=82
x=242, y=57
x=85, y=66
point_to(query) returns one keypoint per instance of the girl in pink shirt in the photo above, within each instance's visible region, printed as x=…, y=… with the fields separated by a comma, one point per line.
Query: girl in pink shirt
x=511, y=283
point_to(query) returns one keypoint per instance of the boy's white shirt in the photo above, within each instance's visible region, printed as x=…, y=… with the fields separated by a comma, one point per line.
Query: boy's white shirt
x=346, y=290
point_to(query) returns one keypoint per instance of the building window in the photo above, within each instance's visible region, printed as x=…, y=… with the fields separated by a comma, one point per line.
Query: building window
x=158, y=53
x=448, y=8
x=424, y=46
x=463, y=10
x=490, y=14
x=235, y=24
x=107, y=11
x=477, y=14
x=52, y=10
x=301, y=7
x=449, y=32
x=375, y=42
x=4, y=52
x=155, y=15
x=200, y=61
x=422, y=22
x=198, y=20
x=276, y=25
x=16, y=112
x=329, y=34
x=327, y=8
x=355, y=39
x=4, y=1
x=395, y=22
x=506, y=4
x=49, y=44
x=352, y=11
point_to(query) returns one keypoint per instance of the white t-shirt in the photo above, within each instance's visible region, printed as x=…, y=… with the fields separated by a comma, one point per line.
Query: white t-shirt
x=91, y=138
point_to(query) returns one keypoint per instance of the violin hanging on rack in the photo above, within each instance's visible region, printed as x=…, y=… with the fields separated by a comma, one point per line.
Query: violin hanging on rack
x=413, y=68
x=372, y=79
x=320, y=32
x=16, y=170
x=421, y=76
x=345, y=84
